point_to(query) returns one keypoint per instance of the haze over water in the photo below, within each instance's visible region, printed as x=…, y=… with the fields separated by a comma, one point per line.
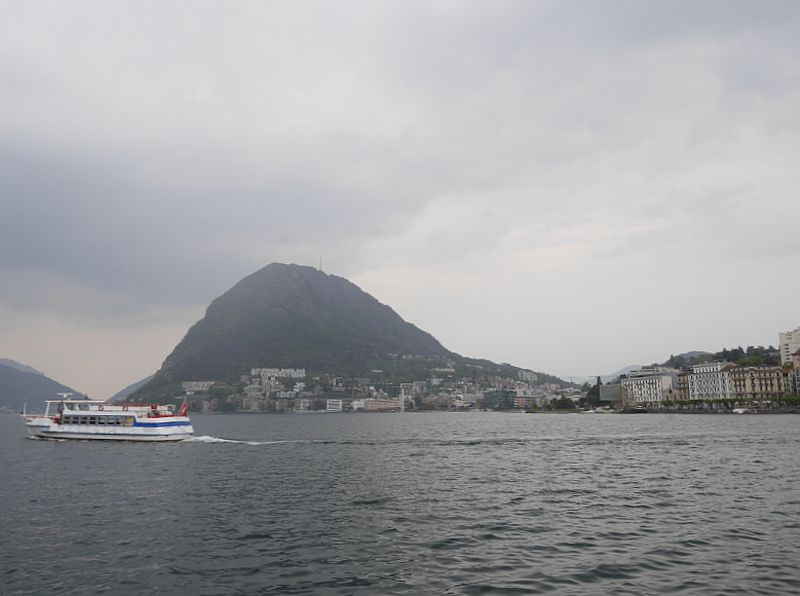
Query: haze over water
x=410, y=504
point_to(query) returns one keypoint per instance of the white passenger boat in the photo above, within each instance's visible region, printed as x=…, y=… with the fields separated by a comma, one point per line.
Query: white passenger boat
x=88, y=419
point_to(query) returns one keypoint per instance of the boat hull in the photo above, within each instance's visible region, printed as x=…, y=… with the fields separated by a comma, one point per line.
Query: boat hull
x=79, y=436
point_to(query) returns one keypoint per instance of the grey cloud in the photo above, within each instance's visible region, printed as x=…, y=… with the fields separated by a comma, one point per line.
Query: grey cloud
x=96, y=221
x=151, y=158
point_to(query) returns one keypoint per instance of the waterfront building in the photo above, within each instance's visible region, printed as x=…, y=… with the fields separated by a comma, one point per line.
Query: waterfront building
x=383, y=405
x=793, y=376
x=757, y=382
x=793, y=382
x=610, y=393
x=253, y=403
x=520, y=403
x=710, y=380
x=788, y=344
x=410, y=390
x=334, y=405
x=649, y=385
x=683, y=385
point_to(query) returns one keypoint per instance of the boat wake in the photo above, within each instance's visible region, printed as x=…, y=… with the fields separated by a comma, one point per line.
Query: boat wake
x=208, y=439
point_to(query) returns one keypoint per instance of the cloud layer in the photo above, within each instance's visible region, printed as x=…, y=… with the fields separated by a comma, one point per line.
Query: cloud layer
x=567, y=186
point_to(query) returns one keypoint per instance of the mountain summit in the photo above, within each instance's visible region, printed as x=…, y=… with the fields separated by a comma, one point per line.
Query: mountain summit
x=292, y=316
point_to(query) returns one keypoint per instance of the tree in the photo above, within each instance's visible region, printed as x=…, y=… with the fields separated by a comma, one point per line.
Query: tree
x=564, y=403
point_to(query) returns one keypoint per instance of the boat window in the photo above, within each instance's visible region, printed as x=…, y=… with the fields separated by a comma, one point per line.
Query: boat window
x=70, y=406
x=128, y=420
x=83, y=407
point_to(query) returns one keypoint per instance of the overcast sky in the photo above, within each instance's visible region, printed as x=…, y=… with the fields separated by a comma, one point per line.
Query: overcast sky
x=570, y=187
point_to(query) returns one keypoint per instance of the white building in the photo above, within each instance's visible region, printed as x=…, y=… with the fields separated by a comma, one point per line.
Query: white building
x=793, y=377
x=648, y=386
x=276, y=373
x=710, y=380
x=254, y=391
x=196, y=386
x=793, y=382
x=334, y=405
x=788, y=344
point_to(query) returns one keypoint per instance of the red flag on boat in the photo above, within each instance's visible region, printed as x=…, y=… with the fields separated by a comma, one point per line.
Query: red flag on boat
x=184, y=408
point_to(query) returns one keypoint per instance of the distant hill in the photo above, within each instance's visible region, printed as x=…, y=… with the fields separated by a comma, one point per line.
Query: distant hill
x=17, y=385
x=607, y=378
x=752, y=355
x=123, y=394
x=623, y=371
x=18, y=366
x=292, y=316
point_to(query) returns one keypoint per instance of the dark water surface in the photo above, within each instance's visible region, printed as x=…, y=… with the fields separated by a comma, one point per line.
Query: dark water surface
x=410, y=504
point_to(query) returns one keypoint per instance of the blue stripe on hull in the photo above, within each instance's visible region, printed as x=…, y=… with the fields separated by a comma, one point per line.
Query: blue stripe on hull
x=160, y=424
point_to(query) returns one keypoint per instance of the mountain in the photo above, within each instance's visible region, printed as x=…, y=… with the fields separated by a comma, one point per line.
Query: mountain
x=18, y=366
x=291, y=316
x=17, y=385
x=123, y=394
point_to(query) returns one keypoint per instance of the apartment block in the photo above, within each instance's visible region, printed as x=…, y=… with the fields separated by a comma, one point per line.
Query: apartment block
x=788, y=344
x=710, y=380
x=649, y=385
x=757, y=382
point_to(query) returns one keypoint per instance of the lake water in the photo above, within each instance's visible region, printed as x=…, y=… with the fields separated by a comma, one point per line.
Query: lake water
x=458, y=503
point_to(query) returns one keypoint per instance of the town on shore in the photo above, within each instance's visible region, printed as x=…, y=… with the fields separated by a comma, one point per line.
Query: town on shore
x=717, y=385
x=704, y=386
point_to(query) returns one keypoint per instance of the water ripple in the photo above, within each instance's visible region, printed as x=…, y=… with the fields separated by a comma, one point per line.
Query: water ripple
x=415, y=504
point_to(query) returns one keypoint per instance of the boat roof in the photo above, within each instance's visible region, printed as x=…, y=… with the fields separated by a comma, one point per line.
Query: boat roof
x=75, y=401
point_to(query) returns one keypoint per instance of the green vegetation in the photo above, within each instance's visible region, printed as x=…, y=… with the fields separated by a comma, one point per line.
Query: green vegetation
x=752, y=356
